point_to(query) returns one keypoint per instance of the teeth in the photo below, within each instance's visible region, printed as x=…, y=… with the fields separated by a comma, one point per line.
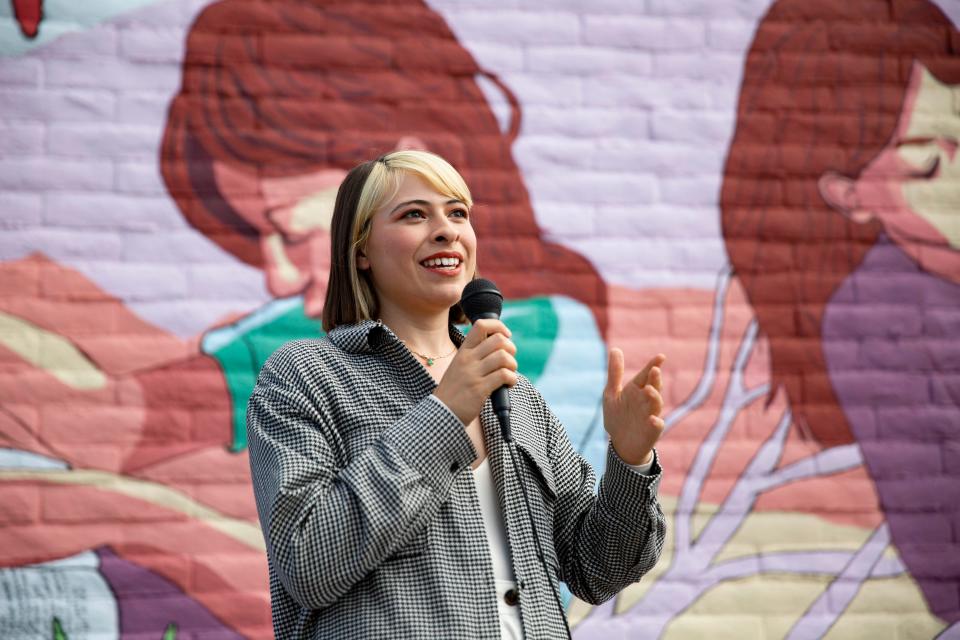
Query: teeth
x=441, y=262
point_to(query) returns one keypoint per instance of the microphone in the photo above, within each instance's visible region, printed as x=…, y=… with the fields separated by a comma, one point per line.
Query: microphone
x=480, y=300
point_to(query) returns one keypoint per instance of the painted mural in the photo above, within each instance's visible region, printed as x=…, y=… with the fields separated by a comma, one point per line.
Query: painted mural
x=765, y=192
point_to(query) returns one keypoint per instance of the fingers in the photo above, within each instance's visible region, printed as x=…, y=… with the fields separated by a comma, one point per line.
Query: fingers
x=499, y=359
x=654, y=400
x=507, y=377
x=614, y=372
x=643, y=376
x=655, y=378
x=484, y=362
x=482, y=329
x=655, y=361
x=495, y=352
x=496, y=342
x=498, y=369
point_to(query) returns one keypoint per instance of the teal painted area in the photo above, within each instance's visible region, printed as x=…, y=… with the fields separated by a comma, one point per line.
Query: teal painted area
x=574, y=375
x=241, y=349
x=560, y=349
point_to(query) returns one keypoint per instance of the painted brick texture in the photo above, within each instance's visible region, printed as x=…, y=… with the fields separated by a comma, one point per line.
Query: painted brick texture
x=766, y=192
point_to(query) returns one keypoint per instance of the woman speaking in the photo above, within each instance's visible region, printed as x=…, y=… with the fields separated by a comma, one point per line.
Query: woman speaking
x=390, y=504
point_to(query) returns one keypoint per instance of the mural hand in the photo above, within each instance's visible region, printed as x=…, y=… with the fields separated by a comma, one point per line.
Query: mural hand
x=631, y=412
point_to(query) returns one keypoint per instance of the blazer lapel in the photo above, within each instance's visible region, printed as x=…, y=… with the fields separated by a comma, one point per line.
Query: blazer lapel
x=530, y=445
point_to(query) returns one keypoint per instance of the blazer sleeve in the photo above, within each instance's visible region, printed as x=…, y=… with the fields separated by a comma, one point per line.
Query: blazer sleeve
x=328, y=522
x=606, y=540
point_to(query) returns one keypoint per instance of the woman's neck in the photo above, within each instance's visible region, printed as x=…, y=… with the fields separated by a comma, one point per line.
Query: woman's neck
x=429, y=335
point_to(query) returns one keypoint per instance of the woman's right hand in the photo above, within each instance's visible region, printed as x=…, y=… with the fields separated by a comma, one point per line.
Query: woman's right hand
x=484, y=362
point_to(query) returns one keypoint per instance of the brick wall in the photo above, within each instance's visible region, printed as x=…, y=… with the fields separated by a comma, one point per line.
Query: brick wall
x=722, y=182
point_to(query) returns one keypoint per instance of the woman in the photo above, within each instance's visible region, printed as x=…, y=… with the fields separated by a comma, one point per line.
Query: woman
x=358, y=449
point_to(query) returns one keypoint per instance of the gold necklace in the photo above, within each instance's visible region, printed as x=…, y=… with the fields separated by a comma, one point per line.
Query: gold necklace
x=430, y=360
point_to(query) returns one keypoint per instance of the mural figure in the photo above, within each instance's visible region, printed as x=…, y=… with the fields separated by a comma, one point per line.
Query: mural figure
x=839, y=216
x=852, y=263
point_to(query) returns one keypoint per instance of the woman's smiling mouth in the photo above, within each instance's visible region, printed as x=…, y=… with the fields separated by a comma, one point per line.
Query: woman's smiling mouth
x=443, y=266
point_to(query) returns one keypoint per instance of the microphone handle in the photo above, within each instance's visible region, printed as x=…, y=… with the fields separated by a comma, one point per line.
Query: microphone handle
x=500, y=398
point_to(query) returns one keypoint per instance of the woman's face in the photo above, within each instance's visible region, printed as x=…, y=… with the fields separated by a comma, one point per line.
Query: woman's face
x=929, y=131
x=912, y=185
x=293, y=216
x=416, y=224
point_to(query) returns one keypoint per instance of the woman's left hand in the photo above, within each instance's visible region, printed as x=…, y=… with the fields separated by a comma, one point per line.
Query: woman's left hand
x=631, y=414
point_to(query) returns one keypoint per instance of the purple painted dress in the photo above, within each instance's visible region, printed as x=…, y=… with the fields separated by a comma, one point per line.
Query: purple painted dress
x=149, y=604
x=891, y=337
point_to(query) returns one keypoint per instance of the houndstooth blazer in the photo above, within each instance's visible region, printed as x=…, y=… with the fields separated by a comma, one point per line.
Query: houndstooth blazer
x=371, y=518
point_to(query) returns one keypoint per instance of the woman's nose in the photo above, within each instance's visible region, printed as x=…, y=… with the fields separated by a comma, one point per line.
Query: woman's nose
x=445, y=230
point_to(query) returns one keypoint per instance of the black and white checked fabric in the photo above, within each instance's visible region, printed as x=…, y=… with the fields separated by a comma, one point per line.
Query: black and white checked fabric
x=371, y=518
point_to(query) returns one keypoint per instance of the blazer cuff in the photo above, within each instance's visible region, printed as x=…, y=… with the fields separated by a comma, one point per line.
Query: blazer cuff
x=625, y=492
x=642, y=469
x=431, y=439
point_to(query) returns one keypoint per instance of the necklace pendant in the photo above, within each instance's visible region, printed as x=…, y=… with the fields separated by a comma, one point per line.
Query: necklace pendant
x=429, y=361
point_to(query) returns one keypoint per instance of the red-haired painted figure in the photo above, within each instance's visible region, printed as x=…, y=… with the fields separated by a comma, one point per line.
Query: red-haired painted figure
x=840, y=216
x=280, y=99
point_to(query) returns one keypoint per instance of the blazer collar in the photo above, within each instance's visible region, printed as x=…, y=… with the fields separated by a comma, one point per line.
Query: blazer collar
x=368, y=336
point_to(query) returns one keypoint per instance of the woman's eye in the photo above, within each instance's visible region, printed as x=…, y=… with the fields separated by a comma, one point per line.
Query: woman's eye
x=282, y=228
x=416, y=211
x=921, y=160
x=931, y=169
x=461, y=212
x=922, y=156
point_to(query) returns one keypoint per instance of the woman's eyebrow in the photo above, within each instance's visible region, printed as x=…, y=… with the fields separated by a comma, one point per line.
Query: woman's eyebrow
x=423, y=203
x=915, y=141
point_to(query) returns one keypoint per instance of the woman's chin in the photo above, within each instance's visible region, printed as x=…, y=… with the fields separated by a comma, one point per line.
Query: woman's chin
x=439, y=304
x=284, y=286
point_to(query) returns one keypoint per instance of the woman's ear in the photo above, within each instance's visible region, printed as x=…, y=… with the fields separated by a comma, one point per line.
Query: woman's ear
x=840, y=192
x=362, y=262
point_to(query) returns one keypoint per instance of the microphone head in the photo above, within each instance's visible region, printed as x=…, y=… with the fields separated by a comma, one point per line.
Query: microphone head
x=481, y=299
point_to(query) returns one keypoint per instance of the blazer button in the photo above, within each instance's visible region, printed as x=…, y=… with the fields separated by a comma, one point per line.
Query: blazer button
x=511, y=597
x=454, y=466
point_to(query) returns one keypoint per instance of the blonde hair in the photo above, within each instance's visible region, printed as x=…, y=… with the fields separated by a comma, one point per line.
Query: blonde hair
x=350, y=293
